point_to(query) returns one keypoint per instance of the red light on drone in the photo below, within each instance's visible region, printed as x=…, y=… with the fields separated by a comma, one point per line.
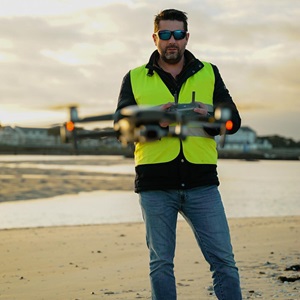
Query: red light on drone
x=70, y=126
x=229, y=125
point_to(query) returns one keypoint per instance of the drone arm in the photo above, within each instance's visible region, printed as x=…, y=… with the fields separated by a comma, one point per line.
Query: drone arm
x=213, y=131
x=107, y=117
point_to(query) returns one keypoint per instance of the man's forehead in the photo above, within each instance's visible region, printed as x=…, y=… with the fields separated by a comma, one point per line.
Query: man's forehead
x=171, y=24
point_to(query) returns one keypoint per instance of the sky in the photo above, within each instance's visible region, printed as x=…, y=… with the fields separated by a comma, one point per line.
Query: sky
x=57, y=53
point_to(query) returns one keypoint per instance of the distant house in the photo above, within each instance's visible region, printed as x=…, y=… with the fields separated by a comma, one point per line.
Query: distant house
x=23, y=136
x=8, y=136
x=245, y=135
x=245, y=139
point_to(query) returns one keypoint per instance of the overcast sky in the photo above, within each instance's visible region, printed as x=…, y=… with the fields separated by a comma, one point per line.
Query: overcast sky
x=55, y=53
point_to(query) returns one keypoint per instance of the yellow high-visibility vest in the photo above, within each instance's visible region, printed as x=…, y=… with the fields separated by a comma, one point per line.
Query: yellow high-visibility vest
x=151, y=90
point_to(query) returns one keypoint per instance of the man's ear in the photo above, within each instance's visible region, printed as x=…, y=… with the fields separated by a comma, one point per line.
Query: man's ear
x=187, y=36
x=154, y=37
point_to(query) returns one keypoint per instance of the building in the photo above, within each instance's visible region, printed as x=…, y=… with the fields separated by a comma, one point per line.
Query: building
x=24, y=136
x=245, y=140
x=8, y=136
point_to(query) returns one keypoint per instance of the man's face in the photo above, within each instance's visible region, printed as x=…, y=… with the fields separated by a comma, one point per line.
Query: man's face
x=172, y=50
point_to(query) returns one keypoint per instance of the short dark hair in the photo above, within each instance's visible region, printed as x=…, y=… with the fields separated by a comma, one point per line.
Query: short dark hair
x=171, y=14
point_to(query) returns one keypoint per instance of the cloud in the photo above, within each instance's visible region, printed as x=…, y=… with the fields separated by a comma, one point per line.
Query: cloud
x=58, y=59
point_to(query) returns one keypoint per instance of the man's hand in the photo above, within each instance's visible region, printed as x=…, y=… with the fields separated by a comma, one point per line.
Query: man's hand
x=165, y=107
x=202, y=109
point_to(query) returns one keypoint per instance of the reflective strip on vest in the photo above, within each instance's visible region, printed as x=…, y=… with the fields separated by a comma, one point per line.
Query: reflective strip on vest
x=198, y=147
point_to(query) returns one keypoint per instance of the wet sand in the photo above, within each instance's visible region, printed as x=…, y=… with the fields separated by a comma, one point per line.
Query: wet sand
x=22, y=183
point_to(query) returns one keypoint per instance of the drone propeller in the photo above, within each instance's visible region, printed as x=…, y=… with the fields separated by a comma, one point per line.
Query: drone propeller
x=76, y=119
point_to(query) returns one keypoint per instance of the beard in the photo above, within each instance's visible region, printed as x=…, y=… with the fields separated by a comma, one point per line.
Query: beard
x=172, y=56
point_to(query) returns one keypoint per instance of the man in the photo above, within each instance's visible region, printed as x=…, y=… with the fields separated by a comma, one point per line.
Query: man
x=179, y=176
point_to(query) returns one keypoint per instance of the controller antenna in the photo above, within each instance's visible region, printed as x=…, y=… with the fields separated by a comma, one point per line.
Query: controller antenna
x=193, y=96
x=176, y=98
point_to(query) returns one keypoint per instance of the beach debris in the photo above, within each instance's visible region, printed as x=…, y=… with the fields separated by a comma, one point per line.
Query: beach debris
x=293, y=268
x=292, y=278
x=271, y=265
x=182, y=284
x=253, y=293
x=97, y=251
x=211, y=291
x=109, y=293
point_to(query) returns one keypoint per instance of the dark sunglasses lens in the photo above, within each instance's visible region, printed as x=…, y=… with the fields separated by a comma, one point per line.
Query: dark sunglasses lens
x=179, y=34
x=164, y=35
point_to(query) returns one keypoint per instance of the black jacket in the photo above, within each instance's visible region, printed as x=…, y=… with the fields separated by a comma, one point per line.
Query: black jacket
x=179, y=173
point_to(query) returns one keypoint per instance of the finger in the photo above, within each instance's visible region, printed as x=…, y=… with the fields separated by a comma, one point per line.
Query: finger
x=164, y=124
x=201, y=105
x=167, y=105
x=201, y=111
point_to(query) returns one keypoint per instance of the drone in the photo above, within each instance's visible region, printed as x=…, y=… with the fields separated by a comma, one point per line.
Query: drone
x=141, y=123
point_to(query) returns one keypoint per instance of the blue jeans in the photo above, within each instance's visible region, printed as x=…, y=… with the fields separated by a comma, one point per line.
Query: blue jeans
x=203, y=210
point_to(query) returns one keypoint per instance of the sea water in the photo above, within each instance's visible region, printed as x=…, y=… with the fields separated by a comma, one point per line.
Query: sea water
x=248, y=188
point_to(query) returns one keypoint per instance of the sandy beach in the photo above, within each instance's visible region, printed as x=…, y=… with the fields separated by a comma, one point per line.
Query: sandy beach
x=111, y=261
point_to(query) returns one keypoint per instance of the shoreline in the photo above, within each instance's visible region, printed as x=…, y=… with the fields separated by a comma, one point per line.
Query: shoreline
x=277, y=153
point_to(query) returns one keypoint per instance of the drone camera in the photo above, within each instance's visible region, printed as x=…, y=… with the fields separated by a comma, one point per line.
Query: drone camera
x=149, y=133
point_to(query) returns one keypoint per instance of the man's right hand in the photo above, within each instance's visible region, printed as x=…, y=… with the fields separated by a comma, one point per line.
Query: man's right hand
x=165, y=107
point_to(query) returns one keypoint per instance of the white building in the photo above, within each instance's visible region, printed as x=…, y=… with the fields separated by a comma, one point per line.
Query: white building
x=23, y=136
x=245, y=140
x=8, y=136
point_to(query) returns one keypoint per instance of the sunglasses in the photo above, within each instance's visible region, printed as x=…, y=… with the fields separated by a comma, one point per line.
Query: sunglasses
x=166, y=34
